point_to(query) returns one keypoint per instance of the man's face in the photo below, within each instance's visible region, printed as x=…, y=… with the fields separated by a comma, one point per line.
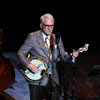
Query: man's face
x=47, y=26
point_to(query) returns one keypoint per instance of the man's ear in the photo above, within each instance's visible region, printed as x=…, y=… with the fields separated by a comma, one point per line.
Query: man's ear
x=41, y=26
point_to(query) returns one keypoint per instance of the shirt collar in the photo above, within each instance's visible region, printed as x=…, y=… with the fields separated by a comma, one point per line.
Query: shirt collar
x=44, y=36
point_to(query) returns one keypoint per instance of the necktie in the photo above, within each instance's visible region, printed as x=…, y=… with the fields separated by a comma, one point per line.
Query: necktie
x=49, y=52
x=48, y=47
x=46, y=43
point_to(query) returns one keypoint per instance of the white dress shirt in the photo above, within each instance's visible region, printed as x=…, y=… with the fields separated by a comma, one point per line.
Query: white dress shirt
x=48, y=40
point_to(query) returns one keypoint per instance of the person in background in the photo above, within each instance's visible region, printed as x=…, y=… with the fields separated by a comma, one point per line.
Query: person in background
x=44, y=45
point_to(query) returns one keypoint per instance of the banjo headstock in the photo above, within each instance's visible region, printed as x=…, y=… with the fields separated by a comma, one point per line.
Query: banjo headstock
x=84, y=48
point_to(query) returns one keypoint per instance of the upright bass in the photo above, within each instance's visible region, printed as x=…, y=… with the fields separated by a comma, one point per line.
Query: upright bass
x=7, y=73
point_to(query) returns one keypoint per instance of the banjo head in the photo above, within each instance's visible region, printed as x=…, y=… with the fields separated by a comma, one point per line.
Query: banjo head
x=40, y=74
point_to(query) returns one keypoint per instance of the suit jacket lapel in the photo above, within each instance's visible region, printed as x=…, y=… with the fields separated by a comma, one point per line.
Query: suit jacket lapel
x=42, y=43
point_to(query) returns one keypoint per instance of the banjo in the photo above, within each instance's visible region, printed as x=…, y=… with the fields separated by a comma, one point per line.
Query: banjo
x=43, y=67
x=40, y=74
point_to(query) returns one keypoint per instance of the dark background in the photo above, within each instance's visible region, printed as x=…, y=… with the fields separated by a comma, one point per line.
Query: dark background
x=78, y=22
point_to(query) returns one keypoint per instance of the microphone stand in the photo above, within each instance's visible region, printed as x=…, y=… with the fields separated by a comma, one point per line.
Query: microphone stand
x=73, y=85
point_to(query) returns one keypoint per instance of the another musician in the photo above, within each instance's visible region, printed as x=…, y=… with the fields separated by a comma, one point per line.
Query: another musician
x=36, y=46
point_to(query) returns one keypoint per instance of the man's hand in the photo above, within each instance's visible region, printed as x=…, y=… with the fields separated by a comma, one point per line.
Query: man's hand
x=74, y=53
x=33, y=67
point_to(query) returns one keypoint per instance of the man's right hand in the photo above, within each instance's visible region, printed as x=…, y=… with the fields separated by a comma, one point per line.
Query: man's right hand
x=33, y=67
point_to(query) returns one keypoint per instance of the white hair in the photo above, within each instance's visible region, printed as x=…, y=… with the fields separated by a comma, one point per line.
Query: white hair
x=47, y=16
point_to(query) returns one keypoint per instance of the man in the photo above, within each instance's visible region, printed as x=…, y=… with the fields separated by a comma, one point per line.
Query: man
x=37, y=46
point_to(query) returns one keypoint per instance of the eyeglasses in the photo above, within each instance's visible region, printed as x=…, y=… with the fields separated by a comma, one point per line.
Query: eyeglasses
x=48, y=25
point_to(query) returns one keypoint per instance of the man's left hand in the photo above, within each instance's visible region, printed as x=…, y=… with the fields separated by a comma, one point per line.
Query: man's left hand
x=74, y=53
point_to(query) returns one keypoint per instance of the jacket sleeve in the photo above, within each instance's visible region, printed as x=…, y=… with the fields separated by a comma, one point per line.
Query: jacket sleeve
x=24, y=50
x=64, y=54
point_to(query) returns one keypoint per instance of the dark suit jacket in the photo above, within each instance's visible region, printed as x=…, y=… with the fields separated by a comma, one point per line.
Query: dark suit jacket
x=34, y=44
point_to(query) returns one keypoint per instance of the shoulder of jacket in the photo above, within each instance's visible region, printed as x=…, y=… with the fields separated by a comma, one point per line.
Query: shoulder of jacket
x=35, y=33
